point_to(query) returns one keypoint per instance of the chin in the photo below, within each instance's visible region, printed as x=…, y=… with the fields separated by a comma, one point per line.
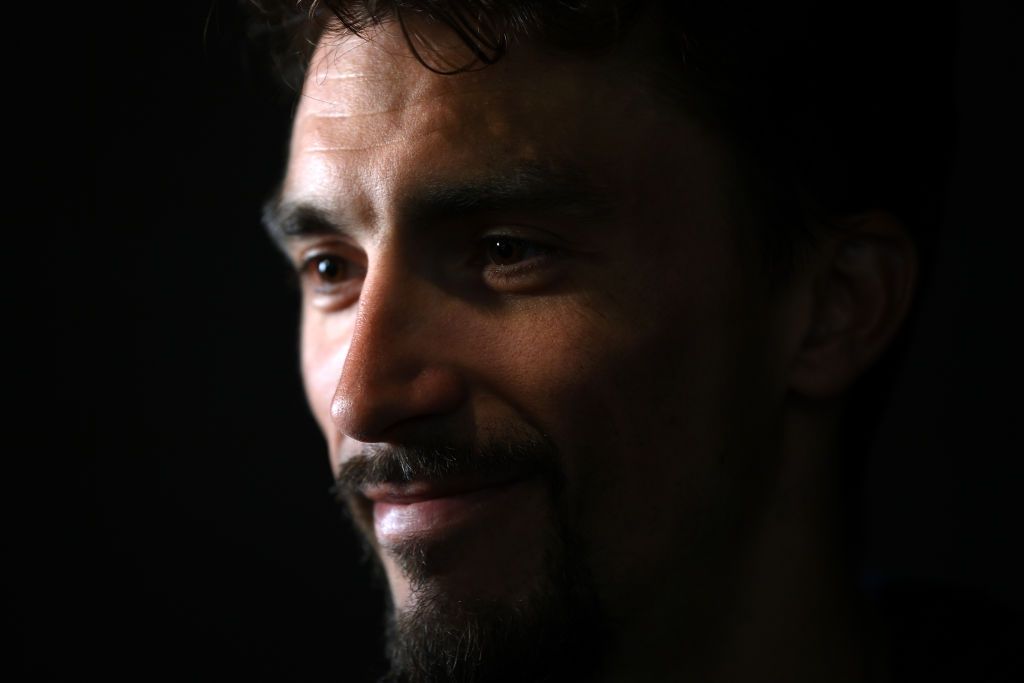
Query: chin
x=509, y=599
x=544, y=624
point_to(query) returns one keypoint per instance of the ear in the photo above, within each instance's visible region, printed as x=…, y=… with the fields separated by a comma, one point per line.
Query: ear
x=863, y=278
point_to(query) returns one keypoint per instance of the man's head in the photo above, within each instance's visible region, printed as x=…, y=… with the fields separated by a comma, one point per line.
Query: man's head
x=581, y=397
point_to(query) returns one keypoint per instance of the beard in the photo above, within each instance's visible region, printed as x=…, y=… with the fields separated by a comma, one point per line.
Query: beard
x=549, y=627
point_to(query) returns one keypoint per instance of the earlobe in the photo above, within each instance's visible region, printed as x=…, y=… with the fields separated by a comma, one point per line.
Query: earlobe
x=864, y=280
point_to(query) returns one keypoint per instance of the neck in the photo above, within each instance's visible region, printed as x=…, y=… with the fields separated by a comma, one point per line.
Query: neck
x=787, y=608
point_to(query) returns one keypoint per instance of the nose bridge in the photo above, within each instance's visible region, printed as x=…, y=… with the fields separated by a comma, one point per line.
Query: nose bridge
x=394, y=370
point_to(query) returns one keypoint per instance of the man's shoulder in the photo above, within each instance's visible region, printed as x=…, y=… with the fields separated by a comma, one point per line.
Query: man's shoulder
x=939, y=632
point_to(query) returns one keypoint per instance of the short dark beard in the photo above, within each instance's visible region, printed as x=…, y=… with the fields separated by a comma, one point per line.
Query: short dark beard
x=552, y=629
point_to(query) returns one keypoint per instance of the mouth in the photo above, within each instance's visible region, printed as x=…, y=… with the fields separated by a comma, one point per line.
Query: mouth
x=426, y=511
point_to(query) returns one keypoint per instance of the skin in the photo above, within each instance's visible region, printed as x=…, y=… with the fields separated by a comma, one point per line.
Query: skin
x=694, y=409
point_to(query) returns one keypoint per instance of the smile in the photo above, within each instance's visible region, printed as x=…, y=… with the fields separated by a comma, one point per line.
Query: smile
x=431, y=510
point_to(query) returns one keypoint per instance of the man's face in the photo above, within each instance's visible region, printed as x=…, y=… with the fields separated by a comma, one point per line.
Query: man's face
x=534, y=332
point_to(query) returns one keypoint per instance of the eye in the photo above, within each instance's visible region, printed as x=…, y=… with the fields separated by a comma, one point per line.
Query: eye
x=325, y=269
x=515, y=264
x=509, y=251
x=331, y=279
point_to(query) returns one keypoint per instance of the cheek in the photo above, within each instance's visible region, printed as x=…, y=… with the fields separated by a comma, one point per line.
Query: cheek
x=324, y=346
x=639, y=393
x=533, y=358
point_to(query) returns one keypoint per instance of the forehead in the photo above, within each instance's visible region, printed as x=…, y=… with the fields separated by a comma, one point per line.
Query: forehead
x=375, y=84
x=370, y=112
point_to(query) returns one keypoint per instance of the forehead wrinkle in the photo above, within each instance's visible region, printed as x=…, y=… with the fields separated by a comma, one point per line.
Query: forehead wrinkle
x=334, y=108
x=340, y=115
x=353, y=103
x=372, y=72
x=361, y=75
x=324, y=131
x=339, y=148
x=369, y=78
x=354, y=98
x=330, y=53
x=348, y=81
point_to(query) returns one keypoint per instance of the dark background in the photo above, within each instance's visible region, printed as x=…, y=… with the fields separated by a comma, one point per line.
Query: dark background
x=182, y=526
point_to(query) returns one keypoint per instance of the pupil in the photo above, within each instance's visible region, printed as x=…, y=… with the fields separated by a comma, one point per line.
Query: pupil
x=504, y=251
x=327, y=268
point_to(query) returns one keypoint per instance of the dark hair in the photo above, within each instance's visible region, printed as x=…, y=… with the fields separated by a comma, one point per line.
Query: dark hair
x=838, y=107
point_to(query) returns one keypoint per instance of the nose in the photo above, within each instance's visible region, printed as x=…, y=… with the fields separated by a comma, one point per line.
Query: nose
x=397, y=370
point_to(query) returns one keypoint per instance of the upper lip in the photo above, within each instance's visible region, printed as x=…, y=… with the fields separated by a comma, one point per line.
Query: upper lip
x=407, y=493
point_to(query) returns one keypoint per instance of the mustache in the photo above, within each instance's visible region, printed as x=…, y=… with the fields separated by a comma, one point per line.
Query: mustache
x=380, y=464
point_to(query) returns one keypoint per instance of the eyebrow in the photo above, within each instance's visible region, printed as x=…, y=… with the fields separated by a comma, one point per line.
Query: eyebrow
x=286, y=221
x=562, y=191
x=526, y=187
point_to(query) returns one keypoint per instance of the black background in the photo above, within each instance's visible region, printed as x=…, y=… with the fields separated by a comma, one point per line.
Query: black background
x=182, y=526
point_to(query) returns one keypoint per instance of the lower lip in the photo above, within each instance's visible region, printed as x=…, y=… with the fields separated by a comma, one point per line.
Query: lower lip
x=432, y=517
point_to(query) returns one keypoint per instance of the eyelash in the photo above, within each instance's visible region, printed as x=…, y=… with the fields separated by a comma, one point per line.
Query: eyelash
x=522, y=265
x=311, y=268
